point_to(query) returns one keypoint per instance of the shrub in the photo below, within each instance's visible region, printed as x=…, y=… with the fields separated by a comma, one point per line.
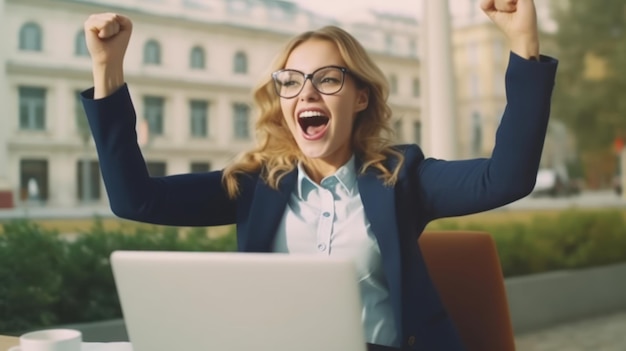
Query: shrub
x=574, y=239
x=49, y=279
x=31, y=279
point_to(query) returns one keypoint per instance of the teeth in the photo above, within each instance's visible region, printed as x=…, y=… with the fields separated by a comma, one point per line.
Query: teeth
x=306, y=114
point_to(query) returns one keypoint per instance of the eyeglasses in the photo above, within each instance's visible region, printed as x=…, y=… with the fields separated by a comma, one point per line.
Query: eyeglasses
x=327, y=80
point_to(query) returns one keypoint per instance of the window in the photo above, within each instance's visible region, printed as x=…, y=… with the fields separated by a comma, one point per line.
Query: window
x=32, y=108
x=153, y=113
x=200, y=167
x=241, y=114
x=472, y=53
x=34, y=180
x=416, y=87
x=477, y=134
x=199, y=118
x=473, y=7
x=499, y=52
x=81, y=118
x=30, y=37
x=196, y=4
x=241, y=63
x=412, y=47
x=397, y=127
x=238, y=6
x=152, y=53
x=80, y=44
x=474, y=85
x=498, y=83
x=417, y=132
x=393, y=84
x=196, y=58
x=156, y=169
x=88, y=180
x=388, y=43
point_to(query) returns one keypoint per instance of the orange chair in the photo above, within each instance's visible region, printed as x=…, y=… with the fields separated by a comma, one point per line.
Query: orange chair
x=465, y=268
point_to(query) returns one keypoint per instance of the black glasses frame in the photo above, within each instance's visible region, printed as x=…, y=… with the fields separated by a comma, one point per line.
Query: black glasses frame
x=308, y=76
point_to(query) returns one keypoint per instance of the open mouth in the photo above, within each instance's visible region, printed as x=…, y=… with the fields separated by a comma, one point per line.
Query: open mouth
x=312, y=122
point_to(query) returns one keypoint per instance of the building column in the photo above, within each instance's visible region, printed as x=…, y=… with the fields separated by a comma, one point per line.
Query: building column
x=6, y=190
x=438, y=71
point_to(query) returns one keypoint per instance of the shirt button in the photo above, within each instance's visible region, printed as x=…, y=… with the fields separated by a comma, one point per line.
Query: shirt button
x=326, y=214
x=411, y=340
x=321, y=247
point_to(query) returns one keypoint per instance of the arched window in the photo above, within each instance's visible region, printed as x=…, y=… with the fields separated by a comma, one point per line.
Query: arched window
x=241, y=63
x=197, y=58
x=30, y=37
x=152, y=53
x=80, y=45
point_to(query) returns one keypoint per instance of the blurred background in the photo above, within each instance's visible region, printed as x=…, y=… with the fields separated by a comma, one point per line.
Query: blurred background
x=191, y=66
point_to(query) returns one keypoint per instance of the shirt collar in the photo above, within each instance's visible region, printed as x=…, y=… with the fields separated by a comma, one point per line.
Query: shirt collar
x=345, y=175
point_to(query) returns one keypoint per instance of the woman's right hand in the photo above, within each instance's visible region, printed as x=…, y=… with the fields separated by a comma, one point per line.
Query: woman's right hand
x=107, y=36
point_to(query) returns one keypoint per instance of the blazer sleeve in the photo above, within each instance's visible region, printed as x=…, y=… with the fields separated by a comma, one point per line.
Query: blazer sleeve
x=454, y=188
x=179, y=200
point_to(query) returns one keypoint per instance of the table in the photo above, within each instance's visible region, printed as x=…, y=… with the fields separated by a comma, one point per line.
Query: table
x=8, y=341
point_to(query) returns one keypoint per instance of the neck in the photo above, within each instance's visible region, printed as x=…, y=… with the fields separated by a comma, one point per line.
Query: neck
x=318, y=169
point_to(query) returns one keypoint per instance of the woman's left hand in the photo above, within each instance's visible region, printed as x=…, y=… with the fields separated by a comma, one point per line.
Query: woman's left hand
x=518, y=20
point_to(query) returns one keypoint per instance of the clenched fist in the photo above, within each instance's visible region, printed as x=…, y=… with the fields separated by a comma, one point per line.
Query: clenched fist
x=107, y=36
x=518, y=20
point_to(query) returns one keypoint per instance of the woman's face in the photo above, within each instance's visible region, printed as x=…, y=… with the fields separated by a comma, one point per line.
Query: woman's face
x=322, y=124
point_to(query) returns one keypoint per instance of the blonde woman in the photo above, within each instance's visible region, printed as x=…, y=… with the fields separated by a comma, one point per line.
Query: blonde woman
x=323, y=178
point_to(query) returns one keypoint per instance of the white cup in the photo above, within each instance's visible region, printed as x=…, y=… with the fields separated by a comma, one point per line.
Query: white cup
x=50, y=340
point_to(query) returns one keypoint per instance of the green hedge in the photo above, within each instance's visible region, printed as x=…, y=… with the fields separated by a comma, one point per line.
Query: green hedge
x=50, y=279
x=573, y=239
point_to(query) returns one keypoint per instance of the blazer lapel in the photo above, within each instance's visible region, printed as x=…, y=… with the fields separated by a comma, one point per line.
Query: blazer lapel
x=380, y=208
x=266, y=211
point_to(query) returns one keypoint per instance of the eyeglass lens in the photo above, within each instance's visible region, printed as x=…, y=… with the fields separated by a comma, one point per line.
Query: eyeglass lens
x=326, y=80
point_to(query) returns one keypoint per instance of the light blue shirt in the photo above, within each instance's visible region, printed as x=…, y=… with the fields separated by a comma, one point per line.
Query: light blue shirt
x=328, y=219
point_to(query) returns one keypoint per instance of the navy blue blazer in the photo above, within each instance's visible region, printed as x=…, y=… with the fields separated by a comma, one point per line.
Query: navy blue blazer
x=427, y=189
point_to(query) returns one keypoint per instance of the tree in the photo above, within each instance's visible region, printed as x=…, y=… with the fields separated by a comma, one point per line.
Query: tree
x=591, y=80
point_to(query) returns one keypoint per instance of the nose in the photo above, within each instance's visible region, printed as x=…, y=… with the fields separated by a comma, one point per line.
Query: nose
x=308, y=92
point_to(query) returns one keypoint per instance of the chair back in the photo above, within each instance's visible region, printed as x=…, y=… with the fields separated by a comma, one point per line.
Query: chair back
x=465, y=268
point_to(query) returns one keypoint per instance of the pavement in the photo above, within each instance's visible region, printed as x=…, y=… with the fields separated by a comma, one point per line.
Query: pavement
x=604, y=333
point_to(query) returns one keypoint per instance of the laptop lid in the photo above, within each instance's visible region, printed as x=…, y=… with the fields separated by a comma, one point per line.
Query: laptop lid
x=238, y=301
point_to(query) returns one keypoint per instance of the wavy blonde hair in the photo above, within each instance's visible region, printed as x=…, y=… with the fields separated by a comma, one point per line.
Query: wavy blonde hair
x=277, y=153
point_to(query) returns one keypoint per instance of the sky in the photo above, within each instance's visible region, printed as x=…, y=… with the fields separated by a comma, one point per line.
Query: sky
x=344, y=9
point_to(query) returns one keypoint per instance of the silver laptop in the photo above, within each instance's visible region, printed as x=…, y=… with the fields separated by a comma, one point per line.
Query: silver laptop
x=218, y=301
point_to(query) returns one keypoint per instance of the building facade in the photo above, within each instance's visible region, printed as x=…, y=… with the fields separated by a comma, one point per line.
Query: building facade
x=190, y=66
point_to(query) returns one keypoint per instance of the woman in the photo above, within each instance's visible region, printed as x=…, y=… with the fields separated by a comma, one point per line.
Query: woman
x=323, y=178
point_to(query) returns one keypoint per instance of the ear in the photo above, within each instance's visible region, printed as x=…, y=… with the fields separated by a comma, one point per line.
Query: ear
x=362, y=99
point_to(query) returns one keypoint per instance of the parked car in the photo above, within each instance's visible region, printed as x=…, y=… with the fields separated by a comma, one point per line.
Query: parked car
x=552, y=183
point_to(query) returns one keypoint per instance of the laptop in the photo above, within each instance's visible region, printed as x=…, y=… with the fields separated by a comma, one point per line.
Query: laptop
x=217, y=301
